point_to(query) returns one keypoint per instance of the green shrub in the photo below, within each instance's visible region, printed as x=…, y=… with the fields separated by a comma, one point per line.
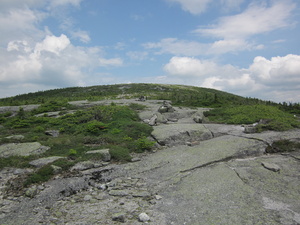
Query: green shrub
x=42, y=175
x=135, y=106
x=119, y=153
x=248, y=114
x=95, y=127
x=142, y=144
x=283, y=146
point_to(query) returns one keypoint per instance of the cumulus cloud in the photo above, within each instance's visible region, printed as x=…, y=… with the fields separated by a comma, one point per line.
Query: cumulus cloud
x=186, y=66
x=282, y=72
x=277, y=79
x=256, y=19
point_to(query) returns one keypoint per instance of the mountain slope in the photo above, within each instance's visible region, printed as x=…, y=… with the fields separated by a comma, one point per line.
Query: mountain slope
x=178, y=94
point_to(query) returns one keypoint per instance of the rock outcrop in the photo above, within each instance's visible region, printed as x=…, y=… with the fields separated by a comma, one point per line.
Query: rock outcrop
x=200, y=173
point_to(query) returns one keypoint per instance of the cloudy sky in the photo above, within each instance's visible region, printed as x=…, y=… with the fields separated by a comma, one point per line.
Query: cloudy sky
x=249, y=48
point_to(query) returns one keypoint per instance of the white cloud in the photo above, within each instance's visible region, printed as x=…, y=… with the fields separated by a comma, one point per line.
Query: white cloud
x=83, y=36
x=111, y=62
x=178, y=47
x=136, y=55
x=277, y=79
x=200, y=6
x=193, y=6
x=186, y=66
x=56, y=3
x=279, y=71
x=53, y=44
x=256, y=19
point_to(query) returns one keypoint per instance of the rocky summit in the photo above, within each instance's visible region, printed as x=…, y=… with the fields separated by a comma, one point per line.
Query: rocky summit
x=198, y=173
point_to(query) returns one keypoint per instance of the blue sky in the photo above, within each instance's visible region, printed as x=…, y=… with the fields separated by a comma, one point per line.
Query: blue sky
x=249, y=48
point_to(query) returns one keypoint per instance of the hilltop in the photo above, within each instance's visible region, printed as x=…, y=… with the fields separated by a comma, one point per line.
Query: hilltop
x=178, y=94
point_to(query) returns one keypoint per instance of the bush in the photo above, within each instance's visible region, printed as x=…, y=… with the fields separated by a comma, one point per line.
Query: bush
x=248, y=114
x=283, y=146
x=142, y=144
x=120, y=153
x=42, y=175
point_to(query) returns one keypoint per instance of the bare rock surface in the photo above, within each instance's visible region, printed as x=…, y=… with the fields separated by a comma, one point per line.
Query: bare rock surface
x=226, y=178
x=22, y=149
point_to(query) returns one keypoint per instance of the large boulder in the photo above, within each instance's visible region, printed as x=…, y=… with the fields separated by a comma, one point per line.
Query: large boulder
x=22, y=149
x=180, y=134
x=44, y=161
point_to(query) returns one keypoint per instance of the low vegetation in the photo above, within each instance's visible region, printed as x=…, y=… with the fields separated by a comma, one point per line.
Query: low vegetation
x=118, y=127
x=275, y=119
x=107, y=126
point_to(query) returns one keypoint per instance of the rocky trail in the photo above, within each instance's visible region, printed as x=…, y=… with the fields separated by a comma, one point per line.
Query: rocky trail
x=199, y=173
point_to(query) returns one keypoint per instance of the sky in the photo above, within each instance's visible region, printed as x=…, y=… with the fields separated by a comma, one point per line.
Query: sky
x=248, y=48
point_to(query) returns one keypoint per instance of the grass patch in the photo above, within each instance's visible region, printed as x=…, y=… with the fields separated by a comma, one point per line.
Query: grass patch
x=283, y=146
x=248, y=114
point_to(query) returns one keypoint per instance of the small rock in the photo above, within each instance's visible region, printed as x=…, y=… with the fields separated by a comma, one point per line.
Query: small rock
x=271, y=166
x=143, y=217
x=250, y=129
x=120, y=217
x=142, y=194
x=158, y=197
x=53, y=133
x=56, y=169
x=87, y=198
x=118, y=193
x=198, y=119
x=31, y=192
x=83, y=166
x=136, y=159
x=152, y=121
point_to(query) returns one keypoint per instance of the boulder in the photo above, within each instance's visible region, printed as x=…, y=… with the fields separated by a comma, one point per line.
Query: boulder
x=22, y=149
x=152, y=121
x=250, y=129
x=83, y=166
x=106, y=157
x=180, y=134
x=16, y=137
x=143, y=217
x=166, y=107
x=197, y=119
x=119, y=217
x=53, y=133
x=44, y=161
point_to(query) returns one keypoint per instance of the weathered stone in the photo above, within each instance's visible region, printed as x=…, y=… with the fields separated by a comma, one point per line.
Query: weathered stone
x=142, y=194
x=197, y=119
x=31, y=192
x=83, y=166
x=53, y=133
x=87, y=198
x=15, y=137
x=106, y=157
x=250, y=129
x=120, y=217
x=271, y=166
x=44, y=161
x=56, y=169
x=143, y=217
x=118, y=192
x=152, y=121
x=22, y=149
x=173, y=134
